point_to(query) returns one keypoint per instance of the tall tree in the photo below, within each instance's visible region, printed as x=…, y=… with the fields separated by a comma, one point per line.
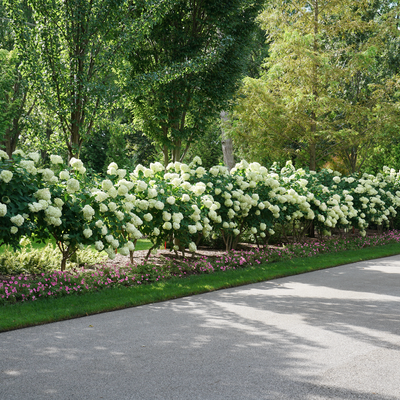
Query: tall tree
x=73, y=41
x=188, y=68
x=302, y=101
x=16, y=102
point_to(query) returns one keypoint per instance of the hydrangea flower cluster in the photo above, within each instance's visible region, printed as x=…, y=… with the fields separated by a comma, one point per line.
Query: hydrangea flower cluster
x=183, y=202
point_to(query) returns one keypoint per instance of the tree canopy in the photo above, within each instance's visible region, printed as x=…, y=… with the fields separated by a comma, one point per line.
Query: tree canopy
x=322, y=91
x=188, y=67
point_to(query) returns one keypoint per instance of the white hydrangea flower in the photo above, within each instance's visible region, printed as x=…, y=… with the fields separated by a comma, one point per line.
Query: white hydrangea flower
x=34, y=156
x=176, y=225
x=112, y=206
x=76, y=164
x=192, y=229
x=130, y=246
x=29, y=166
x=14, y=229
x=121, y=173
x=156, y=167
x=19, y=152
x=171, y=200
x=100, y=196
x=151, y=193
x=53, y=212
x=148, y=217
x=167, y=226
x=73, y=185
x=64, y=175
x=159, y=205
x=198, y=189
x=47, y=174
x=17, y=220
x=148, y=173
x=177, y=217
x=43, y=194
x=6, y=176
x=185, y=197
x=192, y=247
x=88, y=212
x=113, y=165
x=98, y=245
x=110, y=252
x=3, y=210
x=136, y=220
x=128, y=206
x=122, y=190
x=103, y=208
x=54, y=159
x=166, y=216
x=113, y=192
x=156, y=231
x=141, y=186
x=106, y=185
x=87, y=233
x=120, y=215
x=124, y=251
x=4, y=155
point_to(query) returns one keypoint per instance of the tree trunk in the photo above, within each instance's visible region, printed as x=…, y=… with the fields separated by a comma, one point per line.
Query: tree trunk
x=44, y=153
x=64, y=262
x=166, y=155
x=227, y=145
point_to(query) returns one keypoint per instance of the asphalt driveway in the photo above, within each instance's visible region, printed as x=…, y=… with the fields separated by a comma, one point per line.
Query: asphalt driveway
x=330, y=334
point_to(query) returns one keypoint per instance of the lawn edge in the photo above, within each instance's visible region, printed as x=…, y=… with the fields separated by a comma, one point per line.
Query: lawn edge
x=178, y=288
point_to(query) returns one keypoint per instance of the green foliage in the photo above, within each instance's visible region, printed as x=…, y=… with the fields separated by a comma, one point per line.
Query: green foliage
x=14, y=100
x=187, y=69
x=45, y=259
x=208, y=146
x=323, y=92
x=67, y=51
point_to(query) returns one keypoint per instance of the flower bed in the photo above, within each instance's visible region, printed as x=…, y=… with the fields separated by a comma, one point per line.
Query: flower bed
x=81, y=281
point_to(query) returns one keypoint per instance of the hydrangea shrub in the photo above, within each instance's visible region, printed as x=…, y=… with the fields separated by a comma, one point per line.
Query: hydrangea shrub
x=180, y=204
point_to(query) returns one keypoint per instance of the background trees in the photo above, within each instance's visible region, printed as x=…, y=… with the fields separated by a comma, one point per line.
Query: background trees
x=16, y=98
x=69, y=50
x=143, y=80
x=187, y=68
x=324, y=93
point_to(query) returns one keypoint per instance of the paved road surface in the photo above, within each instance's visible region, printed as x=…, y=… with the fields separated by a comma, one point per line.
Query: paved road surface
x=331, y=334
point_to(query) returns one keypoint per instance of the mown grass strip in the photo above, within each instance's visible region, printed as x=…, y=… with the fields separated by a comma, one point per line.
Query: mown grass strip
x=22, y=315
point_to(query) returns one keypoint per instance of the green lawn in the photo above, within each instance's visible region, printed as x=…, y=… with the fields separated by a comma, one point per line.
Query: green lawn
x=21, y=315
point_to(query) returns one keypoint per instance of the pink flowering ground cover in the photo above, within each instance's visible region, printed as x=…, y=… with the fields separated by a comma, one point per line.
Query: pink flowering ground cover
x=79, y=281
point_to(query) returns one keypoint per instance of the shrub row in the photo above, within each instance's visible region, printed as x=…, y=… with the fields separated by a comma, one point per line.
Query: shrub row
x=182, y=203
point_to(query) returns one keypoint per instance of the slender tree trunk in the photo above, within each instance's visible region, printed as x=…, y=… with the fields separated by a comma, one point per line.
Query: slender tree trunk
x=227, y=145
x=11, y=137
x=166, y=155
x=49, y=131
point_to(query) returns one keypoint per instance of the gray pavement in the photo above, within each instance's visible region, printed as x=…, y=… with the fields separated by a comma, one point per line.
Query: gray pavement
x=331, y=334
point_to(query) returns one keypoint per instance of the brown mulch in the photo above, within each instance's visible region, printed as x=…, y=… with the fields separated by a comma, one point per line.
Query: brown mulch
x=160, y=257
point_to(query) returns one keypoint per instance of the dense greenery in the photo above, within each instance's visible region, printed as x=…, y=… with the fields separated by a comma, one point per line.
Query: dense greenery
x=330, y=88
x=139, y=81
